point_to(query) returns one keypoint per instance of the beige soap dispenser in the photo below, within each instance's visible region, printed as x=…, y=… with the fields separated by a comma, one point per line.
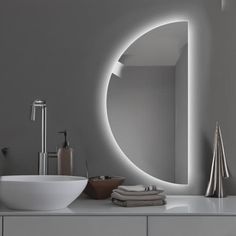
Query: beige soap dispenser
x=65, y=157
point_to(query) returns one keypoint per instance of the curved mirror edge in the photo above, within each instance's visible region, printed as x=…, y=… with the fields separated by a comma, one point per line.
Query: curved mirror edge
x=147, y=103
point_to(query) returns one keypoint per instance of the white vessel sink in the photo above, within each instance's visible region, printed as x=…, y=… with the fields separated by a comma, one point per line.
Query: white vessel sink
x=40, y=192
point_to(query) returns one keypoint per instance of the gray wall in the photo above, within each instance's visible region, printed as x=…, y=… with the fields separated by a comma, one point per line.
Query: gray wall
x=141, y=112
x=64, y=50
x=181, y=117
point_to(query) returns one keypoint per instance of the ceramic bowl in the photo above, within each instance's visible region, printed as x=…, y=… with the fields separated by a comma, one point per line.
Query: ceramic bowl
x=40, y=192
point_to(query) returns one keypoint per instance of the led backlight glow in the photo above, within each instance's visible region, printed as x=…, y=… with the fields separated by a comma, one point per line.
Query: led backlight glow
x=102, y=106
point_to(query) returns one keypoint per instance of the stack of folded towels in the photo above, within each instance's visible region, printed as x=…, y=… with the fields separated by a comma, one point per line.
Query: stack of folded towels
x=138, y=195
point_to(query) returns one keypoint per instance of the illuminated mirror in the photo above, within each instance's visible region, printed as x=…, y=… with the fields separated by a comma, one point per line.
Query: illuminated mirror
x=147, y=102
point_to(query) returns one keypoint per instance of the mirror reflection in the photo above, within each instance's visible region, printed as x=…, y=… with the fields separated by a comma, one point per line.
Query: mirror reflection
x=147, y=102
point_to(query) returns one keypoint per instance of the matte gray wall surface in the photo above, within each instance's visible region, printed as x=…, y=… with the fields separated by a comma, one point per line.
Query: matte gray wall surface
x=181, y=117
x=222, y=86
x=141, y=112
x=63, y=50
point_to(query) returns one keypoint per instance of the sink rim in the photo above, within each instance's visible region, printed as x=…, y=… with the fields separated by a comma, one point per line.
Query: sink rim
x=41, y=178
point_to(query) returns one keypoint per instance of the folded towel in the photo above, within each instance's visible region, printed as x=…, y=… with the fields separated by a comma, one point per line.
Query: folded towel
x=138, y=188
x=138, y=203
x=130, y=193
x=121, y=197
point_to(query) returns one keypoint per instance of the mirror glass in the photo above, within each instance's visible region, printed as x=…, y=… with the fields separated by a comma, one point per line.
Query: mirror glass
x=147, y=102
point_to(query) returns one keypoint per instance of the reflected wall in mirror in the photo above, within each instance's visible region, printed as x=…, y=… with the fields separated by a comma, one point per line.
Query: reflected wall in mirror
x=147, y=102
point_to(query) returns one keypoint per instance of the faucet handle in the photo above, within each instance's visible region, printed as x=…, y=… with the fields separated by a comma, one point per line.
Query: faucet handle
x=39, y=102
x=36, y=103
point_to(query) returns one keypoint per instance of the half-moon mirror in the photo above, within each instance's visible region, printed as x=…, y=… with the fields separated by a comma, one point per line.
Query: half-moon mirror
x=147, y=102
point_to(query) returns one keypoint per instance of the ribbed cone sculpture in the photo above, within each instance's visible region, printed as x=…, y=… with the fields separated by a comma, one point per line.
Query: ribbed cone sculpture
x=219, y=168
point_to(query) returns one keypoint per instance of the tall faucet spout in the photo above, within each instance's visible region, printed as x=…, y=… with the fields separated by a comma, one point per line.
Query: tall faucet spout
x=43, y=154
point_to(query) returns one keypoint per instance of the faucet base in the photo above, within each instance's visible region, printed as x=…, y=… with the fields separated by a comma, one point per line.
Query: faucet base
x=42, y=163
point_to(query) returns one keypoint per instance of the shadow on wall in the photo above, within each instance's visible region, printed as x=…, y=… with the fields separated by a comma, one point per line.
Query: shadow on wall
x=207, y=151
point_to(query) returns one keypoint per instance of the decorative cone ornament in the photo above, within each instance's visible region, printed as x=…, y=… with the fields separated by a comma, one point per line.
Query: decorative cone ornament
x=219, y=168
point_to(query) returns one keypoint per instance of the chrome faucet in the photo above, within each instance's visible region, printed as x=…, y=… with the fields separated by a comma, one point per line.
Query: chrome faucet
x=43, y=155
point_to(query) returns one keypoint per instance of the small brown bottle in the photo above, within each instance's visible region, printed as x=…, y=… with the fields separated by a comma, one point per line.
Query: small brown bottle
x=65, y=157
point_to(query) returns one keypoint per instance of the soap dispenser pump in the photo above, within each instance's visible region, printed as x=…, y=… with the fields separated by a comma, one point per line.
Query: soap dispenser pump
x=65, y=157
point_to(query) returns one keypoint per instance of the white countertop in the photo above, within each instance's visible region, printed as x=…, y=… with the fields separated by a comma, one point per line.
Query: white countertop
x=176, y=205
